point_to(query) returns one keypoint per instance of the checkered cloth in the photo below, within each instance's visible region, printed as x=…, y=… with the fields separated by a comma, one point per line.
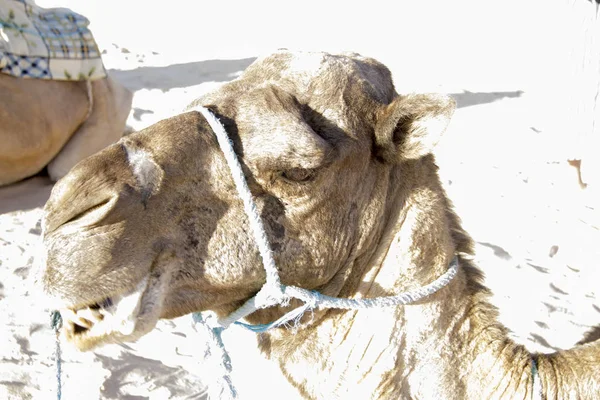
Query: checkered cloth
x=52, y=43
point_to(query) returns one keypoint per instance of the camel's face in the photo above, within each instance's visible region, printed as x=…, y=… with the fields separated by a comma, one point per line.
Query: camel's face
x=153, y=227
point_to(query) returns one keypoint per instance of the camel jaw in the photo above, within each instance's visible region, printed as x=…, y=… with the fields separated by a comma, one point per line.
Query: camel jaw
x=118, y=318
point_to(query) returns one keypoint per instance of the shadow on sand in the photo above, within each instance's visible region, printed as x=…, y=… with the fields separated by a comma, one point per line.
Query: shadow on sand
x=197, y=72
x=25, y=195
x=467, y=99
x=180, y=75
x=130, y=370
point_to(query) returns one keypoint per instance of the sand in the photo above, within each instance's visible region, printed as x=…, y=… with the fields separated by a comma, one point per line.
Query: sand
x=502, y=164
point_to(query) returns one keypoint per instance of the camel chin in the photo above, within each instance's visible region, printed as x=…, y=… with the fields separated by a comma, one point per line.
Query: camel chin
x=122, y=317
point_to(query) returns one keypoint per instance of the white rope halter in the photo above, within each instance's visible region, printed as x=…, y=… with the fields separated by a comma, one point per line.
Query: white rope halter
x=273, y=292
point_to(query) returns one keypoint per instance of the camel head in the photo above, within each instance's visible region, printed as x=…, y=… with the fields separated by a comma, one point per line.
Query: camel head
x=152, y=226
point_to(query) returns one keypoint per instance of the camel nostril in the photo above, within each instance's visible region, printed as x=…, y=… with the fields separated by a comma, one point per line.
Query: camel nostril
x=73, y=214
x=89, y=191
x=87, y=213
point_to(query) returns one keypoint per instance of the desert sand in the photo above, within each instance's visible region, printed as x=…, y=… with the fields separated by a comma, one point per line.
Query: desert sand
x=502, y=162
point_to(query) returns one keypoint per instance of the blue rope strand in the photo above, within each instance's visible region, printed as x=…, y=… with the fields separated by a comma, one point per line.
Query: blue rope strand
x=227, y=389
x=56, y=324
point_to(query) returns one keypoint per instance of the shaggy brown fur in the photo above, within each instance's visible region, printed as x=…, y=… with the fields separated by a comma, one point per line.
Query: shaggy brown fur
x=341, y=170
x=55, y=124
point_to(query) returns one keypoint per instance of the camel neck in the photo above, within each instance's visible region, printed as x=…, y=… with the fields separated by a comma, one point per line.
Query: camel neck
x=493, y=365
x=449, y=345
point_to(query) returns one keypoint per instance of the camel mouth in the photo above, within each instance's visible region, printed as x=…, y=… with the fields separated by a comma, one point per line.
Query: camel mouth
x=116, y=318
x=123, y=314
x=80, y=320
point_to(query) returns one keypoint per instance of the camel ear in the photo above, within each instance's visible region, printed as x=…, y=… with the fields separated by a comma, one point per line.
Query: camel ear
x=410, y=126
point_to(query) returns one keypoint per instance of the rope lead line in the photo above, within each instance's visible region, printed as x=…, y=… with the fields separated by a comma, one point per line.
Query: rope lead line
x=226, y=389
x=273, y=292
x=315, y=299
x=56, y=324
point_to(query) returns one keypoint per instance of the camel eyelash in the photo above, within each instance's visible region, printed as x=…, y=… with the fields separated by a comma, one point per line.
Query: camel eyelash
x=298, y=175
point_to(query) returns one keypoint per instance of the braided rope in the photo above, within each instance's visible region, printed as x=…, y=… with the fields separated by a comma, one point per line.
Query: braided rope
x=273, y=292
x=56, y=324
x=314, y=299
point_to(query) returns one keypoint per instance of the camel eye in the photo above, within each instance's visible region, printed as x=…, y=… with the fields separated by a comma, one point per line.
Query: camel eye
x=298, y=174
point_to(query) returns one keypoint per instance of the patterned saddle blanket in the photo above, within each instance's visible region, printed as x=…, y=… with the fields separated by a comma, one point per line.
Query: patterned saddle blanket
x=52, y=43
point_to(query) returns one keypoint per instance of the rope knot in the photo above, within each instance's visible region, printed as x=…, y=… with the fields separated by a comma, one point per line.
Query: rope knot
x=271, y=295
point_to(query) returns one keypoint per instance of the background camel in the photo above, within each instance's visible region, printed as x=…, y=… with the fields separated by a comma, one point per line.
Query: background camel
x=535, y=231
x=57, y=105
x=56, y=123
x=342, y=173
